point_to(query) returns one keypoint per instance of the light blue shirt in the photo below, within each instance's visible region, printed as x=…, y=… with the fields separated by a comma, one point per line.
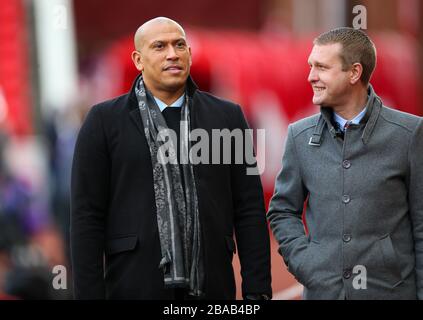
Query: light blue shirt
x=177, y=104
x=341, y=121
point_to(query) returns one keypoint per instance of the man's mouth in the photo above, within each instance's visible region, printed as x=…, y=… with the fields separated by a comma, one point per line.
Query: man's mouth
x=318, y=89
x=172, y=68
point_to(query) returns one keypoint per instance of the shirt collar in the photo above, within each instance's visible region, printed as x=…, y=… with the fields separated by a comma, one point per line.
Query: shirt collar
x=341, y=121
x=177, y=104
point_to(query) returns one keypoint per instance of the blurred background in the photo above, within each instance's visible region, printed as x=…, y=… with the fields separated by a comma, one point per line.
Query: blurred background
x=59, y=57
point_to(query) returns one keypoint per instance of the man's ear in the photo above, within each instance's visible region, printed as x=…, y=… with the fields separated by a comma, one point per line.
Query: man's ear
x=190, y=56
x=137, y=59
x=356, y=72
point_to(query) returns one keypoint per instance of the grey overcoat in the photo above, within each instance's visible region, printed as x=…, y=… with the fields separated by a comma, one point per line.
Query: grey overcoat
x=364, y=205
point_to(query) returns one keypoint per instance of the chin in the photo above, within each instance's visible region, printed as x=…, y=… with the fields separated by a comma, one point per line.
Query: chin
x=317, y=101
x=176, y=82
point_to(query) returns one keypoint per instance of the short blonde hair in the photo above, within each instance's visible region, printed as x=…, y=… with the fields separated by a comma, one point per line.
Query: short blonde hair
x=357, y=47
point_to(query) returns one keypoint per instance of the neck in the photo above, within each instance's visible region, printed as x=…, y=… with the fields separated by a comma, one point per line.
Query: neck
x=356, y=103
x=167, y=96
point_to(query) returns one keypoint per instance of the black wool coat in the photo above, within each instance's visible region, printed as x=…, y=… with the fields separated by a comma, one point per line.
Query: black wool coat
x=114, y=235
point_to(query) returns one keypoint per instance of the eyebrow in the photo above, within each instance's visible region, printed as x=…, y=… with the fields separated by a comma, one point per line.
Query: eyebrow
x=318, y=64
x=166, y=41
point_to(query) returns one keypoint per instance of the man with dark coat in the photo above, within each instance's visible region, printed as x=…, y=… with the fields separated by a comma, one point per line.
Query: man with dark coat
x=358, y=165
x=143, y=227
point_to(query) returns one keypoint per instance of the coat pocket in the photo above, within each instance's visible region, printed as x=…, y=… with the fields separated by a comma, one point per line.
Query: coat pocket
x=304, y=271
x=390, y=261
x=121, y=244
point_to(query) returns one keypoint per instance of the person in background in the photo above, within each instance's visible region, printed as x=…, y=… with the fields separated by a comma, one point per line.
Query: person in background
x=358, y=165
x=144, y=229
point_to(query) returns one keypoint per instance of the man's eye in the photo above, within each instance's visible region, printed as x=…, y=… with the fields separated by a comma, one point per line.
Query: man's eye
x=158, y=46
x=180, y=45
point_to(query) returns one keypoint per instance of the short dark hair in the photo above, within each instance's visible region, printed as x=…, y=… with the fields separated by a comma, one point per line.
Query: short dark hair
x=357, y=47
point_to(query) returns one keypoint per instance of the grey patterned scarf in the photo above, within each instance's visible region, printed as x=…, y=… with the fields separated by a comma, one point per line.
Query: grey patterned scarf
x=177, y=209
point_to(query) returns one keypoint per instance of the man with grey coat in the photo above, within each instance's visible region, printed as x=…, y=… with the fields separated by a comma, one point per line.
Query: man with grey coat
x=357, y=170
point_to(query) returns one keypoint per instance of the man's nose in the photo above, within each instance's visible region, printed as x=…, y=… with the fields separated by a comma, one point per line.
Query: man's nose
x=171, y=53
x=312, y=76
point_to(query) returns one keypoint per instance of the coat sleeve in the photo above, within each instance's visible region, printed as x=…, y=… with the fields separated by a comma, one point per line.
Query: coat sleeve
x=415, y=201
x=286, y=208
x=89, y=201
x=252, y=234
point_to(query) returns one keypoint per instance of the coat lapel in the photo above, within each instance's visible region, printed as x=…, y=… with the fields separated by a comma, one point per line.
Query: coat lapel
x=136, y=118
x=132, y=103
x=132, y=106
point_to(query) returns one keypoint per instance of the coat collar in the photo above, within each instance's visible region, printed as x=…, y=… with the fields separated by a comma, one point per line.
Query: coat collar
x=133, y=104
x=374, y=105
